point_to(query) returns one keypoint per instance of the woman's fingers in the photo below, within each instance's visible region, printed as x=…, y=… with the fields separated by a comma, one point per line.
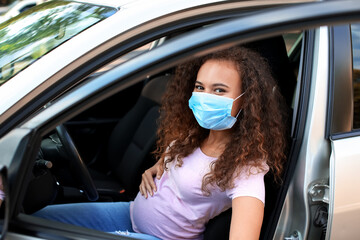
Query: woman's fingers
x=150, y=179
x=160, y=170
x=147, y=184
x=143, y=190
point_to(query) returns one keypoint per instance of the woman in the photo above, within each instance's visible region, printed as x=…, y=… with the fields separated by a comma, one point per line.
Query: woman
x=222, y=128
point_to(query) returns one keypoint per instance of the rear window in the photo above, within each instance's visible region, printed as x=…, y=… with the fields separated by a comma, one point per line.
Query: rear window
x=35, y=32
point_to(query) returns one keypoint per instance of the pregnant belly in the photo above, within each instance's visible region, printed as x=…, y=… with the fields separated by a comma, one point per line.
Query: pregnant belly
x=163, y=218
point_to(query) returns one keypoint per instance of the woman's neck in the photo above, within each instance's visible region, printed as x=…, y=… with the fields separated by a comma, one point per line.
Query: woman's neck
x=214, y=144
x=218, y=137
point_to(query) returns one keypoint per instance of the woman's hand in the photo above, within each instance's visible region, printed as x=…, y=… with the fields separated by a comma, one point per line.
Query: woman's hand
x=147, y=184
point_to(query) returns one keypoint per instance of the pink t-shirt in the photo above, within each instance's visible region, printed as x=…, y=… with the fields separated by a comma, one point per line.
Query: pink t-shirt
x=179, y=209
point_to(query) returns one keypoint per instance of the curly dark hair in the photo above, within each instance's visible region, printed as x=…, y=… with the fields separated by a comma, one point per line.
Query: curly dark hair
x=259, y=134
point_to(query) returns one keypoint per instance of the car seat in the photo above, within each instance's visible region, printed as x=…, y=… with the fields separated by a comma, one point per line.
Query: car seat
x=130, y=144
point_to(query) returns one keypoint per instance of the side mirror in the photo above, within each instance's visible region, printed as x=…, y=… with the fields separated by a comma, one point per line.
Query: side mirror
x=4, y=202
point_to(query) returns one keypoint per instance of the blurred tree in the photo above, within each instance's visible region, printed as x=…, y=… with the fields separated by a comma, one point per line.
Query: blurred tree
x=6, y=2
x=33, y=33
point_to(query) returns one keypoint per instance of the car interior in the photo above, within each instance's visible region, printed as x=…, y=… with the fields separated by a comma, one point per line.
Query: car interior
x=100, y=154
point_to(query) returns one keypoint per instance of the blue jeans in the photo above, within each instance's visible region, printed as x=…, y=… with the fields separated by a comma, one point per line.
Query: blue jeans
x=113, y=217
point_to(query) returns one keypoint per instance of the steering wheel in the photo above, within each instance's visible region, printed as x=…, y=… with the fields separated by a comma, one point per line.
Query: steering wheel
x=77, y=166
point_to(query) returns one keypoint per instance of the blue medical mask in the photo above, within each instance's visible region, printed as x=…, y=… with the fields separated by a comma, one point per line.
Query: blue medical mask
x=213, y=111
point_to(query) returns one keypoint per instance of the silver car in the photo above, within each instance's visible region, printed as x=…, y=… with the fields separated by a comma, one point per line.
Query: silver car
x=81, y=82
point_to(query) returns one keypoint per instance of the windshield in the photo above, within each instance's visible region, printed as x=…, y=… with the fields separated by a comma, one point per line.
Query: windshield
x=32, y=34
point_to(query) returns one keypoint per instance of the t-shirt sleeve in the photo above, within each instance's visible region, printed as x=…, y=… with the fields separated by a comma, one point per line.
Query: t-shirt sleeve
x=249, y=185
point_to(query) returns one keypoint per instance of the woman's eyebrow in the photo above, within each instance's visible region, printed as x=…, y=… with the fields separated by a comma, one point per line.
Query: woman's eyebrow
x=214, y=85
x=220, y=85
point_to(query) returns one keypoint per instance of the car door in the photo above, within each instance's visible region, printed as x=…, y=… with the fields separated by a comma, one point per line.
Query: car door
x=26, y=137
x=344, y=133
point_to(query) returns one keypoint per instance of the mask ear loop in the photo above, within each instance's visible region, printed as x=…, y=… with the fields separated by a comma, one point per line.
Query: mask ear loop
x=240, y=108
x=238, y=113
x=239, y=96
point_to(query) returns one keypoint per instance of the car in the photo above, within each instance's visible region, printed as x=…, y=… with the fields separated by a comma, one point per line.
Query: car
x=88, y=86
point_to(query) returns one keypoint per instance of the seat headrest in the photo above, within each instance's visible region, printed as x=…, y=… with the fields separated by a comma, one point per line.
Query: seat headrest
x=155, y=88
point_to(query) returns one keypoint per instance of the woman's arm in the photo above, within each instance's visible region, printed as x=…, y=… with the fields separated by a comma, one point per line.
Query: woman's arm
x=246, y=219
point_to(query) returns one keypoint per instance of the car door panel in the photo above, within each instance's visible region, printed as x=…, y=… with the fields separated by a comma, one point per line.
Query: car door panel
x=344, y=199
x=345, y=195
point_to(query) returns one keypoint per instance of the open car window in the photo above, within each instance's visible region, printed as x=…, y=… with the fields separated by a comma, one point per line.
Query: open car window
x=121, y=117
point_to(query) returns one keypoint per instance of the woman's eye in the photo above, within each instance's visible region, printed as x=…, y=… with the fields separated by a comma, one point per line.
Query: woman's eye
x=219, y=90
x=198, y=87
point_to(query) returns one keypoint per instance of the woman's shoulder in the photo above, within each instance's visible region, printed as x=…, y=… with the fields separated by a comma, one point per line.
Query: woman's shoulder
x=254, y=168
x=249, y=182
